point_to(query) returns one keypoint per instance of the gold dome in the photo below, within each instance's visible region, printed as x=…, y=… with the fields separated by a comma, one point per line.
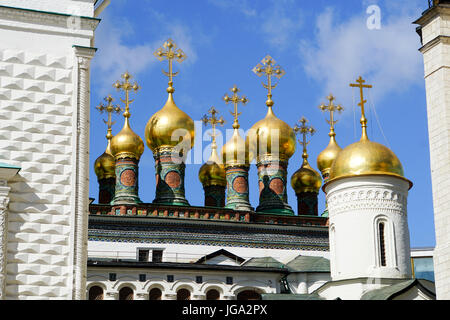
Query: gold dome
x=263, y=131
x=366, y=157
x=306, y=179
x=327, y=156
x=105, y=165
x=212, y=173
x=234, y=152
x=127, y=143
x=163, y=124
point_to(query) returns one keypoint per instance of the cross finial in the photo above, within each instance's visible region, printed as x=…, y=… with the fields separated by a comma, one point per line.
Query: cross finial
x=109, y=109
x=169, y=51
x=213, y=120
x=235, y=99
x=303, y=129
x=360, y=84
x=269, y=68
x=332, y=108
x=126, y=86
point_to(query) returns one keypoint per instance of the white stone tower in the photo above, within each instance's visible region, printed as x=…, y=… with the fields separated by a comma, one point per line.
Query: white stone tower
x=434, y=30
x=367, y=201
x=45, y=52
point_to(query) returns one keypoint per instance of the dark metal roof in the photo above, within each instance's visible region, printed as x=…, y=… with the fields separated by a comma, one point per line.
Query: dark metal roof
x=114, y=263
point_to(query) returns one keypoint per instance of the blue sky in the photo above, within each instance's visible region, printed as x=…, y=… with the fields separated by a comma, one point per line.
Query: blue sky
x=322, y=45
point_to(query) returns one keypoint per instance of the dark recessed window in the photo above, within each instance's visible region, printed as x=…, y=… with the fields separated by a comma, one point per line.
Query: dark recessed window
x=170, y=278
x=199, y=279
x=382, y=245
x=229, y=280
x=157, y=255
x=143, y=255
x=112, y=277
x=142, y=277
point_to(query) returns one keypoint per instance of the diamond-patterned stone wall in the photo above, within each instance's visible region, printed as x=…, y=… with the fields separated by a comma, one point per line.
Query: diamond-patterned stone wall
x=36, y=128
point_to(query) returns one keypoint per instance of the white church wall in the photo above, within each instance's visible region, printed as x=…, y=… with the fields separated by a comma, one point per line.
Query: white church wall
x=355, y=205
x=40, y=76
x=436, y=55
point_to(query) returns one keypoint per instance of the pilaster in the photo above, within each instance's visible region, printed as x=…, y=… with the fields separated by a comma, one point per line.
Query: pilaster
x=81, y=171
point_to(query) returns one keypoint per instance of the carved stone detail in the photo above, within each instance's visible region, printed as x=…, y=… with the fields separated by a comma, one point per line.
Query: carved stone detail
x=366, y=198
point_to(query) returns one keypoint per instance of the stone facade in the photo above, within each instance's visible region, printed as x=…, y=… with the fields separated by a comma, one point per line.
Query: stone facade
x=435, y=36
x=44, y=129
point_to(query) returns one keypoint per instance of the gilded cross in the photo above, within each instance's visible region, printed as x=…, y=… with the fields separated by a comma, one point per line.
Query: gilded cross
x=213, y=120
x=235, y=99
x=169, y=51
x=126, y=86
x=269, y=68
x=109, y=109
x=360, y=84
x=303, y=129
x=332, y=108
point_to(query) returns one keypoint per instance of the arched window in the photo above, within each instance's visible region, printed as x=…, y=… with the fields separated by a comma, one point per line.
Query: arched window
x=183, y=294
x=248, y=295
x=382, y=244
x=213, y=294
x=126, y=293
x=155, y=294
x=96, y=293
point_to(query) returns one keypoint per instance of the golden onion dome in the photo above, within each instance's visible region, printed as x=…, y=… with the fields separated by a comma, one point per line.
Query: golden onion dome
x=161, y=127
x=262, y=133
x=234, y=152
x=127, y=143
x=212, y=173
x=327, y=156
x=366, y=157
x=306, y=179
x=104, y=165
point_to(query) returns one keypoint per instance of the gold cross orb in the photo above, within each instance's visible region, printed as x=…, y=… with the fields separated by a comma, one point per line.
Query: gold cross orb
x=235, y=99
x=331, y=108
x=169, y=51
x=213, y=121
x=109, y=109
x=303, y=129
x=269, y=68
x=126, y=86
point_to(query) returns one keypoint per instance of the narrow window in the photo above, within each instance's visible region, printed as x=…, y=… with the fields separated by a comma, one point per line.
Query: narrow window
x=382, y=244
x=143, y=255
x=157, y=255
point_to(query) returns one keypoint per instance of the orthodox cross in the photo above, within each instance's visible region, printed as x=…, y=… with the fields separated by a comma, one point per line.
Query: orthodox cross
x=126, y=86
x=269, y=68
x=235, y=99
x=302, y=129
x=332, y=108
x=360, y=84
x=213, y=120
x=169, y=51
x=109, y=109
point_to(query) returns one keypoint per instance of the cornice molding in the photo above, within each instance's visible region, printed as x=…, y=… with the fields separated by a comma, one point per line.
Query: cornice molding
x=61, y=22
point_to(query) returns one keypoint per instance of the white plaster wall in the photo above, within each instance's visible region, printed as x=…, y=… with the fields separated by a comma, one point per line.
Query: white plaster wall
x=186, y=253
x=261, y=282
x=354, y=205
x=77, y=7
x=437, y=83
x=38, y=77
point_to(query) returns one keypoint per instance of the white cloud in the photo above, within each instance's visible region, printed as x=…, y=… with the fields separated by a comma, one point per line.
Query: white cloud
x=340, y=52
x=115, y=56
